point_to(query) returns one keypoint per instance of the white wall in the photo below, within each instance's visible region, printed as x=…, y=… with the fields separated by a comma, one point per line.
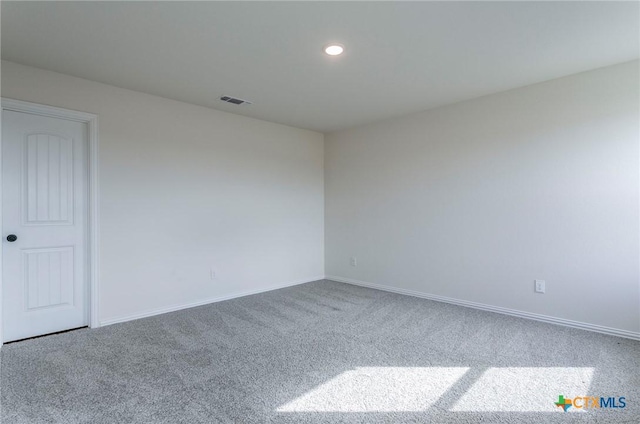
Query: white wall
x=472, y=201
x=185, y=188
x=476, y=200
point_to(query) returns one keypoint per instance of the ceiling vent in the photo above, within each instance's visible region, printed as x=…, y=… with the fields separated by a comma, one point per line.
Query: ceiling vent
x=234, y=100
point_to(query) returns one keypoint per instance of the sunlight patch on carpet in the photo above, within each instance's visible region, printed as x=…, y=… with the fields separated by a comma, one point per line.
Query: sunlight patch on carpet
x=522, y=389
x=378, y=389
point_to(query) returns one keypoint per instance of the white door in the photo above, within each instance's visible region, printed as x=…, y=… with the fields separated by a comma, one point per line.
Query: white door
x=44, y=222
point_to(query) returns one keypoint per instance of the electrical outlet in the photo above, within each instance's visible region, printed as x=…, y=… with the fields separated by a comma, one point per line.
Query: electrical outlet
x=354, y=261
x=540, y=286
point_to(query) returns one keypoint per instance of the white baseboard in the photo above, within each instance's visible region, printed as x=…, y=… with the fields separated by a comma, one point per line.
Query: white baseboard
x=152, y=312
x=506, y=311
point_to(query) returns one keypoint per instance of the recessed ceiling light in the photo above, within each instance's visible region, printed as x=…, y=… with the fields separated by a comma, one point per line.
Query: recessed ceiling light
x=333, y=49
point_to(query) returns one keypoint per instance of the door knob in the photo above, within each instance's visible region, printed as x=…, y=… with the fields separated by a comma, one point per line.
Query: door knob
x=11, y=238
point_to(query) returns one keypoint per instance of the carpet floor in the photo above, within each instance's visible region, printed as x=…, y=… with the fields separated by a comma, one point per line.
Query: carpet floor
x=321, y=352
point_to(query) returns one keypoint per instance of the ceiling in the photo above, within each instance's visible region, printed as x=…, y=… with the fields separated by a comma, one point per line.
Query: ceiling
x=400, y=57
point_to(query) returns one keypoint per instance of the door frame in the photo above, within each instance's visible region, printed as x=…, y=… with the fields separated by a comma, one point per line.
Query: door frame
x=92, y=236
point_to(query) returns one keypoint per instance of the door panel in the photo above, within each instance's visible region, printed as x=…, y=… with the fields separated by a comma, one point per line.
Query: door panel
x=48, y=277
x=44, y=193
x=49, y=180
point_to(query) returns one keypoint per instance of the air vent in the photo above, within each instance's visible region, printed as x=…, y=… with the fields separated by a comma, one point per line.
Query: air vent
x=234, y=100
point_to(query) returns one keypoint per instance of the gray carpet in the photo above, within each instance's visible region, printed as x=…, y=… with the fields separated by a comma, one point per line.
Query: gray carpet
x=319, y=352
